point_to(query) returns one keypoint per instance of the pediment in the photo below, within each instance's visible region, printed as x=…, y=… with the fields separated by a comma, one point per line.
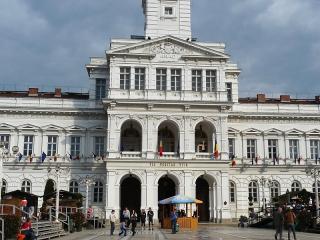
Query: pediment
x=251, y=131
x=273, y=131
x=97, y=128
x=233, y=131
x=168, y=48
x=75, y=128
x=52, y=127
x=313, y=132
x=28, y=127
x=5, y=126
x=294, y=132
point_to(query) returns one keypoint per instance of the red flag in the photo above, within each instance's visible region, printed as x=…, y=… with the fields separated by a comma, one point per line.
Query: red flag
x=233, y=163
x=216, y=151
x=160, y=149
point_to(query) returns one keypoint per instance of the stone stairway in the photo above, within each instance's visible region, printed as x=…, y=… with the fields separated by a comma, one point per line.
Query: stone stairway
x=49, y=230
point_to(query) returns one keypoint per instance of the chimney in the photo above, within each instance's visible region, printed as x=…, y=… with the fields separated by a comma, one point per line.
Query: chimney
x=57, y=93
x=317, y=98
x=285, y=98
x=33, y=92
x=261, y=98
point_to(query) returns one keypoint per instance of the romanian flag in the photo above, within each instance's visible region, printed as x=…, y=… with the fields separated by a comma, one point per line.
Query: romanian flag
x=216, y=151
x=160, y=149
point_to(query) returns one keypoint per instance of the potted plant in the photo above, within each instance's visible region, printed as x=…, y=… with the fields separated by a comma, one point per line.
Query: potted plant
x=78, y=220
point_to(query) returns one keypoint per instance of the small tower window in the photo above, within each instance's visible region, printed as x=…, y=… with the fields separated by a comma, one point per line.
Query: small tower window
x=168, y=11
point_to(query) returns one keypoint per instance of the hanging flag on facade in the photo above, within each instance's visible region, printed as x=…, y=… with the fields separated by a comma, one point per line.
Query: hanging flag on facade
x=216, y=151
x=20, y=156
x=94, y=155
x=233, y=162
x=43, y=157
x=160, y=149
x=30, y=158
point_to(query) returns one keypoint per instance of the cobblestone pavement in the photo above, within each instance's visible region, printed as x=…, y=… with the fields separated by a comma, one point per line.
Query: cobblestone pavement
x=213, y=232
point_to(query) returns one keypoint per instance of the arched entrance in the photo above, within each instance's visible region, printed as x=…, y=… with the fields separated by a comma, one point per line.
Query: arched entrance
x=130, y=194
x=203, y=137
x=166, y=189
x=131, y=140
x=202, y=193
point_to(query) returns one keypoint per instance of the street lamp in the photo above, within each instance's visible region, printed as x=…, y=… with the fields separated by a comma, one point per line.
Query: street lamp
x=3, y=153
x=88, y=181
x=57, y=172
x=262, y=182
x=315, y=173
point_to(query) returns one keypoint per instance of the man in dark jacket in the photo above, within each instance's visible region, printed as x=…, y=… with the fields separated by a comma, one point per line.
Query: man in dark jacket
x=278, y=220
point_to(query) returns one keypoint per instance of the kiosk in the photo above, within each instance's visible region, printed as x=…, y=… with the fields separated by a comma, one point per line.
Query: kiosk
x=187, y=219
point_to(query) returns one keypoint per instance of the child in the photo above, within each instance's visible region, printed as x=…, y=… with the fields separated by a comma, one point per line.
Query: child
x=123, y=229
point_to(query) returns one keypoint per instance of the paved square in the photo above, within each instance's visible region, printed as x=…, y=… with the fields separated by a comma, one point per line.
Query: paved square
x=203, y=233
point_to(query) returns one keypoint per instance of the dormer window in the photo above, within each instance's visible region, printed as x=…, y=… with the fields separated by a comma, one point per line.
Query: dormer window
x=168, y=11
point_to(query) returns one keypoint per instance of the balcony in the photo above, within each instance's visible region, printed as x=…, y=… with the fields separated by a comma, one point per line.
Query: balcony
x=134, y=155
x=204, y=156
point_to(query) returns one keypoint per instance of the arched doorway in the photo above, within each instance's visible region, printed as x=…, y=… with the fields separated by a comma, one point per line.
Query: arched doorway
x=166, y=189
x=131, y=140
x=202, y=193
x=130, y=194
x=168, y=136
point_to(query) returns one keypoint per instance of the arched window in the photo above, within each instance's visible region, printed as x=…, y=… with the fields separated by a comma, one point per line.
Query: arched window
x=314, y=189
x=74, y=187
x=131, y=140
x=232, y=190
x=295, y=186
x=274, y=189
x=98, y=192
x=26, y=186
x=253, y=191
x=4, y=187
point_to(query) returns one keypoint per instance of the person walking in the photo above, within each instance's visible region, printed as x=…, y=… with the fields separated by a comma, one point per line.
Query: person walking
x=126, y=216
x=150, y=215
x=278, y=220
x=143, y=219
x=113, y=219
x=173, y=219
x=123, y=229
x=133, y=220
x=290, y=219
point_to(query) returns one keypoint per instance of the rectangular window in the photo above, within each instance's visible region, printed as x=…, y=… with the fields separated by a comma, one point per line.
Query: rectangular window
x=211, y=84
x=100, y=88
x=196, y=80
x=273, y=148
x=229, y=91
x=28, y=145
x=314, y=149
x=231, y=148
x=99, y=146
x=176, y=79
x=251, y=148
x=168, y=11
x=75, y=146
x=5, y=140
x=125, y=78
x=294, y=148
x=139, y=78
x=52, y=145
x=161, y=79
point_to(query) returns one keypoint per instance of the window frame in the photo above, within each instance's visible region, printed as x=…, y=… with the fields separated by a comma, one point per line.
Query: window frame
x=314, y=149
x=251, y=148
x=253, y=191
x=211, y=80
x=99, y=146
x=101, y=88
x=52, y=146
x=296, y=186
x=25, y=185
x=232, y=191
x=139, y=78
x=176, y=79
x=28, y=144
x=5, y=141
x=98, y=192
x=231, y=145
x=196, y=80
x=75, y=147
x=74, y=186
x=275, y=189
x=293, y=148
x=161, y=79
x=273, y=149
x=125, y=78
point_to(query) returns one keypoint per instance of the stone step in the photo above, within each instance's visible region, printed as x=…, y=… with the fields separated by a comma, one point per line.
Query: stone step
x=49, y=230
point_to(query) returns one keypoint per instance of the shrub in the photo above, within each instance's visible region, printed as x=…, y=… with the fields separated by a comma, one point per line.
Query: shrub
x=78, y=220
x=12, y=225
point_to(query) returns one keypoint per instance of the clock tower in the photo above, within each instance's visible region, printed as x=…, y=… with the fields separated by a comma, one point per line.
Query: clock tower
x=167, y=17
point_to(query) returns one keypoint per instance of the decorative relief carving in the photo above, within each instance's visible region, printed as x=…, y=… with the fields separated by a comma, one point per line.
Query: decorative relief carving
x=167, y=51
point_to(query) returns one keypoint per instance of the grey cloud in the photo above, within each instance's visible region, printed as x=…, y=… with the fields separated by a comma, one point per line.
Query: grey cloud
x=275, y=42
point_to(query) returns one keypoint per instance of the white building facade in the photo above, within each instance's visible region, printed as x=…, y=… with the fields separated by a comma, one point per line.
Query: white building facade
x=147, y=129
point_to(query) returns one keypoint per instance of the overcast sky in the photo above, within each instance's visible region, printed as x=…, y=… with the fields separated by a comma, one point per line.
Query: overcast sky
x=48, y=42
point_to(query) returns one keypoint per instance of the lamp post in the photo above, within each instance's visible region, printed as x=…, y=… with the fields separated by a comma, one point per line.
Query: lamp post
x=57, y=172
x=88, y=181
x=262, y=181
x=315, y=173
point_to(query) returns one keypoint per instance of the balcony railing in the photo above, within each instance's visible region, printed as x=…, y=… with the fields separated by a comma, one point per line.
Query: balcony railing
x=203, y=155
x=131, y=154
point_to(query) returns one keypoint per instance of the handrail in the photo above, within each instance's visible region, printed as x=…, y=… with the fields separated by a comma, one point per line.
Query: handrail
x=15, y=209
x=2, y=228
x=63, y=221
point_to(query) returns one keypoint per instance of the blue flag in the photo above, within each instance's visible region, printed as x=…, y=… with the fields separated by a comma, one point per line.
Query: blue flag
x=43, y=156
